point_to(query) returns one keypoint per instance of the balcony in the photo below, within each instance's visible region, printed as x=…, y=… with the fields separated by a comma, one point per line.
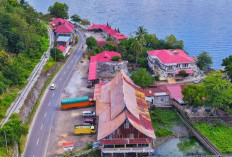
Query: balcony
x=127, y=150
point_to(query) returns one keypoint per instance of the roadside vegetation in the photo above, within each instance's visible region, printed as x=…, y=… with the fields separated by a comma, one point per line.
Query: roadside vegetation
x=218, y=134
x=162, y=120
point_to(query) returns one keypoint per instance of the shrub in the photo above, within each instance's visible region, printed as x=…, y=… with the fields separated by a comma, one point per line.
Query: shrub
x=115, y=58
x=183, y=73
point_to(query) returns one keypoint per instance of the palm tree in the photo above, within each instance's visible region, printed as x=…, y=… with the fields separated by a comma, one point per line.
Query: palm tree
x=141, y=31
x=137, y=48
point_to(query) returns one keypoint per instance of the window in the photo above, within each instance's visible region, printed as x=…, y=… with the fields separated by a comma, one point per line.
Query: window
x=108, y=146
x=185, y=65
x=131, y=145
x=178, y=65
x=119, y=146
x=143, y=145
x=110, y=136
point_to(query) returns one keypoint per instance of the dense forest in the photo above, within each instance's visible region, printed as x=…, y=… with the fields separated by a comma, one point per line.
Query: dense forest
x=23, y=40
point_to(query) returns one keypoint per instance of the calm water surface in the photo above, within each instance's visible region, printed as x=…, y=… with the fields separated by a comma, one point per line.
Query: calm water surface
x=204, y=25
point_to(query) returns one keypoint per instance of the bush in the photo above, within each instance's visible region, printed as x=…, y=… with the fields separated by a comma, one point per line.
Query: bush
x=162, y=132
x=115, y=58
x=183, y=73
x=56, y=54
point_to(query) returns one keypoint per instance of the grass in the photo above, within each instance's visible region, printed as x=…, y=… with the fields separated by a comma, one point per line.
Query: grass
x=219, y=134
x=50, y=63
x=163, y=119
x=3, y=152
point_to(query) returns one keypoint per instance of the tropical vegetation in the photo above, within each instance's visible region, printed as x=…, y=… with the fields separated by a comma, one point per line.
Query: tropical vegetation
x=204, y=60
x=142, y=78
x=227, y=62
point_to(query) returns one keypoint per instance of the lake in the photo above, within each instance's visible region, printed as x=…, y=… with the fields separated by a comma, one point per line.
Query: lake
x=203, y=25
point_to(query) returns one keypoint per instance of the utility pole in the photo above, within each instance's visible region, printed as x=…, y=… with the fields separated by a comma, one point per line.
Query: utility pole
x=6, y=142
x=55, y=54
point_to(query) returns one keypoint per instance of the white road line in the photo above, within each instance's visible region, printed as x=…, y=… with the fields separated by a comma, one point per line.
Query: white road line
x=45, y=114
x=49, y=104
x=41, y=127
x=60, y=78
x=68, y=66
x=37, y=142
x=64, y=72
x=53, y=94
x=71, y=61
x=33, y=155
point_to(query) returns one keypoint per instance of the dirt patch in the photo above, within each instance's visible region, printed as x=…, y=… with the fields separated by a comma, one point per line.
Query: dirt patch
x=64, y=121
x=97, y=36
x=34, y=94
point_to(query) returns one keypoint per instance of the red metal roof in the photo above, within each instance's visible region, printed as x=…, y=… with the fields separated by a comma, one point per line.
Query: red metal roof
x=126, y=141
x=68, y=144
x=62, y=26
x=176, y=91
x=62, y=48
x=171, y=56
x=109, y=30
x=104, y=56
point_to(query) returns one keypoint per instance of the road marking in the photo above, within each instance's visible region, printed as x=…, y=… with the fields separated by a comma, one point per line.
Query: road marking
x=53, y=94
x=71, y=61
x=49, y=104
x=37, y=142
x=64, y=72
x=45, y=114
x=41, y=127
x=33, y=155
x=68, y=66
x=60, y=78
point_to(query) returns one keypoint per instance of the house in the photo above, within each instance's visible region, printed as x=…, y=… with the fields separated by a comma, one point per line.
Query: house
x=158, y=96
x=124, y=124
x=104, y=56
x=168, y=63
x=63, y=41
x=175, y=91
x=64, y=50
x=107, y=31
x=62, y=28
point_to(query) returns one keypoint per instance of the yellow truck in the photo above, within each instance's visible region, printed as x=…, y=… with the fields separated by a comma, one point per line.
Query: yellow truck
x=84, y=129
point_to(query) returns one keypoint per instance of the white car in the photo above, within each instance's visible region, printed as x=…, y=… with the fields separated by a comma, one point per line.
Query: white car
x=53, y=86
x=88, y=114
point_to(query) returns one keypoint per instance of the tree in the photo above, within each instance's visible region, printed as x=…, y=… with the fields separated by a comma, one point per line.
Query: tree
x=91, y=42
x=194, y=95
x=142, y=78
x=56, y=54
x=172, y=43
x=85, y=22
x=204, y=61
x=59, y=10
x=136, y=48
x=76, y=18
x=141, y=31
x=219, y=91
x=115, y=58
x=227, y=62
x=183, y=73
x=142, y=61
x=110, y=47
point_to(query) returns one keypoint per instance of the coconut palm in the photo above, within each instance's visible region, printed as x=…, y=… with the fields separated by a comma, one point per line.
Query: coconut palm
x=137, y=48
x=141, y=31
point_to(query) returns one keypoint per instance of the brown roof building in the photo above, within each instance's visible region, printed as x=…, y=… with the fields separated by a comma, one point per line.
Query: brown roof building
x=124, y=121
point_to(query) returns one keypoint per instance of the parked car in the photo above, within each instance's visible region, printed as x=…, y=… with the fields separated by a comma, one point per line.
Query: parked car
x=53, y=86
x=88, y=114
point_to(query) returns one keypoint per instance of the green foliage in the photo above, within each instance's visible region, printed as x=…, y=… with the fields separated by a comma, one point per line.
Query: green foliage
x=56, y=54
x=97, y=49
x=219, y=91
x=194, y=95
x=204, y=61
x=142, y=78
x=218, y=134
x=142, y=61
x=110, y=47
x=91, y=42
x=172, y=43
x=109, y=38
x=162, y=132
x=85, y=22
x=227, y=62
x=59, y=10
x=183, y=73
x=115, y=58
x=13, y=129
x=141, y=31
x=76, y=18
x=136, y=48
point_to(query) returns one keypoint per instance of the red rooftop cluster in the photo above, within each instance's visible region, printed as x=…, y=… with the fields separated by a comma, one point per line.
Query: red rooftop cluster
x=62, y=26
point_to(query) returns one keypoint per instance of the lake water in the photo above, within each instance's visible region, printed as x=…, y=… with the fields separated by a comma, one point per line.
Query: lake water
x=204, y=25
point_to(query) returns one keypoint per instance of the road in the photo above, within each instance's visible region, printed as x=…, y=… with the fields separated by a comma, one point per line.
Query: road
x=40, y=130
x=19, y=101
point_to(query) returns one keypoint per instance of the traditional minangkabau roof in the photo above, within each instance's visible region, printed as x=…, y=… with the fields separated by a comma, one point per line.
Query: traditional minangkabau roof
x=171, y=56
x=104, y=56
x=62, y=26
x=109, y=30
x=119, y=100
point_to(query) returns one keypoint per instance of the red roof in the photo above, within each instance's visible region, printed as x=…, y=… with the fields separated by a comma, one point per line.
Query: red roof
x=104, y=56
x=171, y=56
x=68, y=144
x=176, y=91
x=62, y=48
x=101, y=43
x=62, y=26
x=109, y=30
x=150, y=92
x=126, y=141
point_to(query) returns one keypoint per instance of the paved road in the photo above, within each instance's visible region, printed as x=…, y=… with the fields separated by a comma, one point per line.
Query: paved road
x=19, y=101
x=40, y=130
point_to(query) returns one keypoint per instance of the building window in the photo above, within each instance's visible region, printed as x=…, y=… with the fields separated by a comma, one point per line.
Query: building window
x=169, y=67
x=178, y=66
x=127, y=124
x=110, y=136
x=143, y=145
x=185, y=65
x=108, y=146
x=119, y=146
x=131, y=145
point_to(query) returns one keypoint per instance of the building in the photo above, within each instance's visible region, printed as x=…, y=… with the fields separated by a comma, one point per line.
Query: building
x=158, y=96
x=107, y=31
x=124, y=125
x=63, y=28
x=104, y=56
x=168, y=63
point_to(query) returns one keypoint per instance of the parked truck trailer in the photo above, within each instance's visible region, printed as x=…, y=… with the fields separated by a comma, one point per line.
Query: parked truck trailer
x=78, y=102
x=83, y=129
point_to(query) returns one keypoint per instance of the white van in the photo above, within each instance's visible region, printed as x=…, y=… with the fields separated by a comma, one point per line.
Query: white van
x=88, y=114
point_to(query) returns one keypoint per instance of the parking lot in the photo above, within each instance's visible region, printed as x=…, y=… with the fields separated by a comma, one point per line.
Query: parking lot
x=64, y=121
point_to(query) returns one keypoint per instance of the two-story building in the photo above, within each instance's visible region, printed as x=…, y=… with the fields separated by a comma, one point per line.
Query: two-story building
x=169, y=63
x=124, y=125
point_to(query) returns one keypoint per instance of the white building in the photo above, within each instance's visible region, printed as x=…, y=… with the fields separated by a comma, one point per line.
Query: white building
x=170, y=62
